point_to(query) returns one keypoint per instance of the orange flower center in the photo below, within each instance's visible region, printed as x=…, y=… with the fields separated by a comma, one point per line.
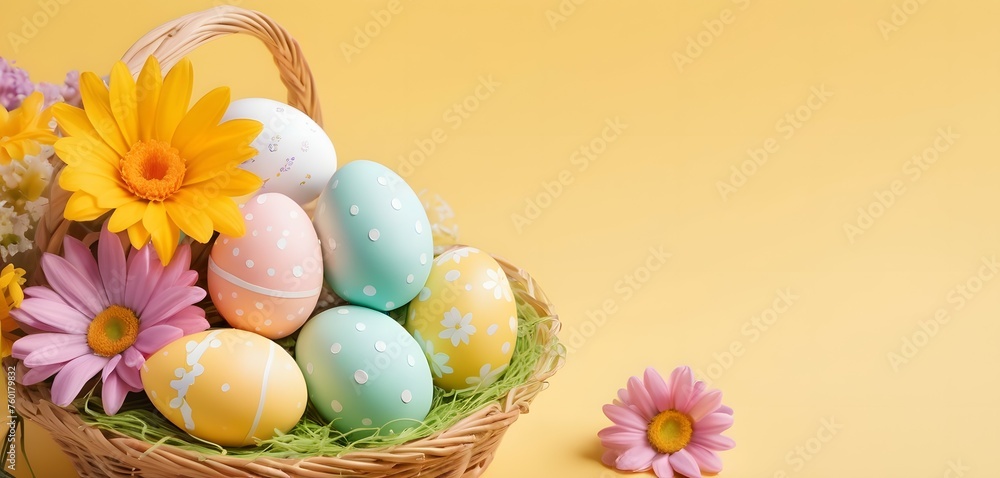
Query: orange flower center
x=670, y=431
x=152, y=170
x=112, y=331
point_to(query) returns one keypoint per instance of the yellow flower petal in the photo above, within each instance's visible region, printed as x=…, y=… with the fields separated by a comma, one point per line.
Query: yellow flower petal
x=82, y=206
x=76, y=150
x=175, y=96
x=124, y=103
x=233, y=183
x=148, y=94
x=97, y=105
x=193, y=222
x=127, y=215
x=88, y=179
x=115, y=195
x=209, y=166
x=205, y=114
x=226, y=217
x=74, y=121
x=138, y=235
x=164, y=233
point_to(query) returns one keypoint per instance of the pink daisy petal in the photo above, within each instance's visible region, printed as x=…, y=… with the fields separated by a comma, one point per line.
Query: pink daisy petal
x=35, y=343
x=713, y=423
x=155, y=337
x=658, y=390
x=707, y=460
x=708, y=403
x=681, y=385
x=618, y=436
x=51, y=316
x=637, y=458
x=61, y=352
x=112, y=260
x=169, y=302
x=662, y=468
x=129, y=375
x=725, y=409
x=641, y=399
x=190, y=319
x=113, y=394
x=714, y=442
x=684, y=463
x=178, y=271
x=68, y=382
x=110, y=367
x=132, y=358
x=697, y=391
x=43, y=293
x=38, y=374
x=144, y=272
x=623, y=416
x=80, y=256
x=71, y=285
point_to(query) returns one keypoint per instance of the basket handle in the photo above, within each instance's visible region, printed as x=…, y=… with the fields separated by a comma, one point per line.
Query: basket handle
x=174, y=40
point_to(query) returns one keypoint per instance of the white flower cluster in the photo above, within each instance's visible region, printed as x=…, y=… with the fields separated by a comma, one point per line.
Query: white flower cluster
x=23, y=187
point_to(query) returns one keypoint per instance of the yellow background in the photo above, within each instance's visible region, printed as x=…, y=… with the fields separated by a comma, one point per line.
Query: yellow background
x=859, y=297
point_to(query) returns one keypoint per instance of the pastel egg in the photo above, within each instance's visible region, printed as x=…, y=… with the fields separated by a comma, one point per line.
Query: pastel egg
x=295, y=157
x=364, y=371
x=269, y=280
x=227, y=386
x=465, y=319
x=376, y=239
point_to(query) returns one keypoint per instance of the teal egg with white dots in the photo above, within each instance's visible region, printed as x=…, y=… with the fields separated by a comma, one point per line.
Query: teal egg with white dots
x=377, y=242
x=364, y=372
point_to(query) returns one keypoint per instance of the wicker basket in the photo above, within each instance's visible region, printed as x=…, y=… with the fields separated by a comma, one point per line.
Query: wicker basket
x=463, y=450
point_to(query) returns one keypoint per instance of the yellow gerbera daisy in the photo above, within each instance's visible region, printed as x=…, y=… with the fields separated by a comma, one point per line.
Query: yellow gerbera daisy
x=24, y=129
x=11, y=280
x=138, y=151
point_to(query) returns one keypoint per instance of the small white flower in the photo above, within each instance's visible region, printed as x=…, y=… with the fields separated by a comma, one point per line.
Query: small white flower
x=438, y=361
x=458, y=327
x=498, y=282
x=486, y=376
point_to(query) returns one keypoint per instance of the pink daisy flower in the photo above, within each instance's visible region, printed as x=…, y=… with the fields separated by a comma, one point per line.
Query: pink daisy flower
x=671, y=427
x=104, y=316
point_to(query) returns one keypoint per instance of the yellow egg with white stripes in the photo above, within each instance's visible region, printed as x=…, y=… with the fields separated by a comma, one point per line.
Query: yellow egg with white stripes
x=227, y=386
x=465, y=319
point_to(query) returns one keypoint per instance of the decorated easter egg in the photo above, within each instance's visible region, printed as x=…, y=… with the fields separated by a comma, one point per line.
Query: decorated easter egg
x=269, y=280
x=295, y=157
x=377, y=243
x=226, y=386
x=465, y=319
x=364, y=372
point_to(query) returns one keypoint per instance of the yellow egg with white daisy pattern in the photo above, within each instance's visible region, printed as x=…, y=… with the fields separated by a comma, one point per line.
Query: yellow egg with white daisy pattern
x=465, y=319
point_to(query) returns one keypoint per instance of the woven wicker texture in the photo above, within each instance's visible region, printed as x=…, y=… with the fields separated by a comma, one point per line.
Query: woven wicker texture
x=463, y=450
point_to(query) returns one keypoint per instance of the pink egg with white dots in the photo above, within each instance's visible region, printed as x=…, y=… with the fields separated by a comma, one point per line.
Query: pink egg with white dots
x=269, y=280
